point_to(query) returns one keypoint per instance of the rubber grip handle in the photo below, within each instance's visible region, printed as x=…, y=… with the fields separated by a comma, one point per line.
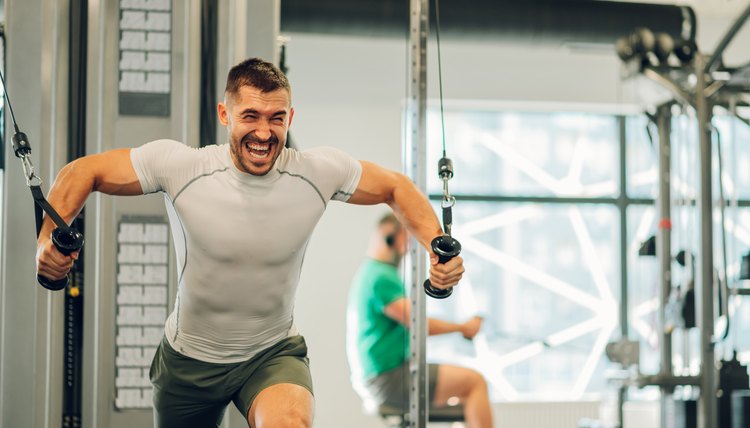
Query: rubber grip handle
x=446, y=248
x=66, y=240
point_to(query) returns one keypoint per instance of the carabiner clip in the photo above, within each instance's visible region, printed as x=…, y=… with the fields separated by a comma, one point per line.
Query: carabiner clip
x=28, y=171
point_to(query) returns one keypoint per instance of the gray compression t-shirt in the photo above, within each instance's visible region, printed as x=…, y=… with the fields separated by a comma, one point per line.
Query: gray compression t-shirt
x=239, y=240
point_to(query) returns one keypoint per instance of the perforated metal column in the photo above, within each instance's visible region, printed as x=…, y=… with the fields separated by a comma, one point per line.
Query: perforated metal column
x=415, y=161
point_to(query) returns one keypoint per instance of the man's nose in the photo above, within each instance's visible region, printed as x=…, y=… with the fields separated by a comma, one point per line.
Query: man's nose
x=263, y=131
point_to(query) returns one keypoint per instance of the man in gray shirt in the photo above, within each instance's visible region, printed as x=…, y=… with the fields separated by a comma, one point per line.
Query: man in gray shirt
x=241, y=216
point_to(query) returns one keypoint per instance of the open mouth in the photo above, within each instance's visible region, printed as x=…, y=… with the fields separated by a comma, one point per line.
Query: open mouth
x=258, y=150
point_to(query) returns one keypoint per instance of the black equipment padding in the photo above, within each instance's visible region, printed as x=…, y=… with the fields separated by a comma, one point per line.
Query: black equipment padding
x=551, y=22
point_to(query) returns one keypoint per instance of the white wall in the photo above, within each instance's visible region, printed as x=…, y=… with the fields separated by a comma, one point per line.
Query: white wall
x=348, y=93
x=351, y=100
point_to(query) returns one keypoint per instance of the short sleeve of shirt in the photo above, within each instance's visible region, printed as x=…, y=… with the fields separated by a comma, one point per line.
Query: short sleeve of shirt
x=155, y=162
x=339, y=171
x=388, y=289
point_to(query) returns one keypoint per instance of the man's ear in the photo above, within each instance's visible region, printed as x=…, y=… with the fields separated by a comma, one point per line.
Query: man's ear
x=221, y=110
x=291, y=115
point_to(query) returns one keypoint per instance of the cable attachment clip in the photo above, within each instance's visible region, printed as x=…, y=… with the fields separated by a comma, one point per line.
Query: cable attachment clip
x=445, y=246
x=21, y=145
x=445, y=171
x=22, y=149
x=66, y=239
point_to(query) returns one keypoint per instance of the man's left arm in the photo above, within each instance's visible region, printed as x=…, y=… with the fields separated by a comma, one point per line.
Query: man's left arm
x=380, y=185
x=399, y=311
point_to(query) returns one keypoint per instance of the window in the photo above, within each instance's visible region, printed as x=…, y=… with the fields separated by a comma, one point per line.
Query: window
x=552, y=209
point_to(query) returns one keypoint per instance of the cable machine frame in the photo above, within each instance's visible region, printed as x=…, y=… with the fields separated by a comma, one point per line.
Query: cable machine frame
x=714, y=85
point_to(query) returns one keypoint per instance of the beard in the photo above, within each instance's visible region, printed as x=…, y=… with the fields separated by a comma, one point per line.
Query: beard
x=397, y=259
x=246, y=162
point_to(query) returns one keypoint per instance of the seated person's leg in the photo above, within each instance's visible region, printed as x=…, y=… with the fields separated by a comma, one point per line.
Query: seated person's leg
x=470, y=388
x=392, y=387
x=279, y=392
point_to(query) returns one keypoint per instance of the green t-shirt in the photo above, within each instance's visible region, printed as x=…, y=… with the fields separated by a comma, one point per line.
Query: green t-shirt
x=377, y=343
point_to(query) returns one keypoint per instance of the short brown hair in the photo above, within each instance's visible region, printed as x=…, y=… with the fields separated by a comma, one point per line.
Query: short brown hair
x=390, y=219
x=257, y=73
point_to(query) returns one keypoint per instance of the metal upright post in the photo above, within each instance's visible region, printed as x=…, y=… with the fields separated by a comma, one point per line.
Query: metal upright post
x=705, y=299
x=415, y=164
x=664, y=255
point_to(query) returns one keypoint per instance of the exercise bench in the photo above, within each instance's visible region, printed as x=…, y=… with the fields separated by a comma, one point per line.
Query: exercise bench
x=395, y=417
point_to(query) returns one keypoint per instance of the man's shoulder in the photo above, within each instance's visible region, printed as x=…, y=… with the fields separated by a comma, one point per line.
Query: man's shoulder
x=314, y=156
x=171, y=155
x=170, y=144
x=186, y=151
x=164, y=144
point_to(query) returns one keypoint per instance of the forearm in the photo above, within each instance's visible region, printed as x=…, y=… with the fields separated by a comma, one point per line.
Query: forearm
x=436, y=326
x=379, y=185
x=414, y=210
x=69, y=193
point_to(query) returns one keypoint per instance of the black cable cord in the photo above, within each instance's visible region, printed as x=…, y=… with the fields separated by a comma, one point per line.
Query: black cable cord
x=66, y=239
x=10, y=107
x=2, y=111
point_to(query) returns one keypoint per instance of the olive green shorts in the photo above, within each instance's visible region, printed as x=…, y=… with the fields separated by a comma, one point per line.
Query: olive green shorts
x=193, y=393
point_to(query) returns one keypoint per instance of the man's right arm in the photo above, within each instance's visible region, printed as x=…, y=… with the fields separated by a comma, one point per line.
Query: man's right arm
x=110, y=172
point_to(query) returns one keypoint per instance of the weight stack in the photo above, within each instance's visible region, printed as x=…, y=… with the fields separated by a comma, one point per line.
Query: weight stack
x=741, y=409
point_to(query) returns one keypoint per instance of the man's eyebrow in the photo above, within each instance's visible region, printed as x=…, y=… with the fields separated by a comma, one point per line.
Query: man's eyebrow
x=254, y=111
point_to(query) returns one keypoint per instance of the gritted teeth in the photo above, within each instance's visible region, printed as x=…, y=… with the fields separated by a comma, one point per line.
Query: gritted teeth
x=261, y=147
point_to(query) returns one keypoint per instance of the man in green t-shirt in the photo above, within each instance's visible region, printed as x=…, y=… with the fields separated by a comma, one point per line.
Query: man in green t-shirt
x=378, y=338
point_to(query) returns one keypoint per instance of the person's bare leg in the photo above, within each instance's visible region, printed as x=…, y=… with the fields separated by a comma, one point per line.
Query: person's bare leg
x=470, y=388
x=283, y=405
